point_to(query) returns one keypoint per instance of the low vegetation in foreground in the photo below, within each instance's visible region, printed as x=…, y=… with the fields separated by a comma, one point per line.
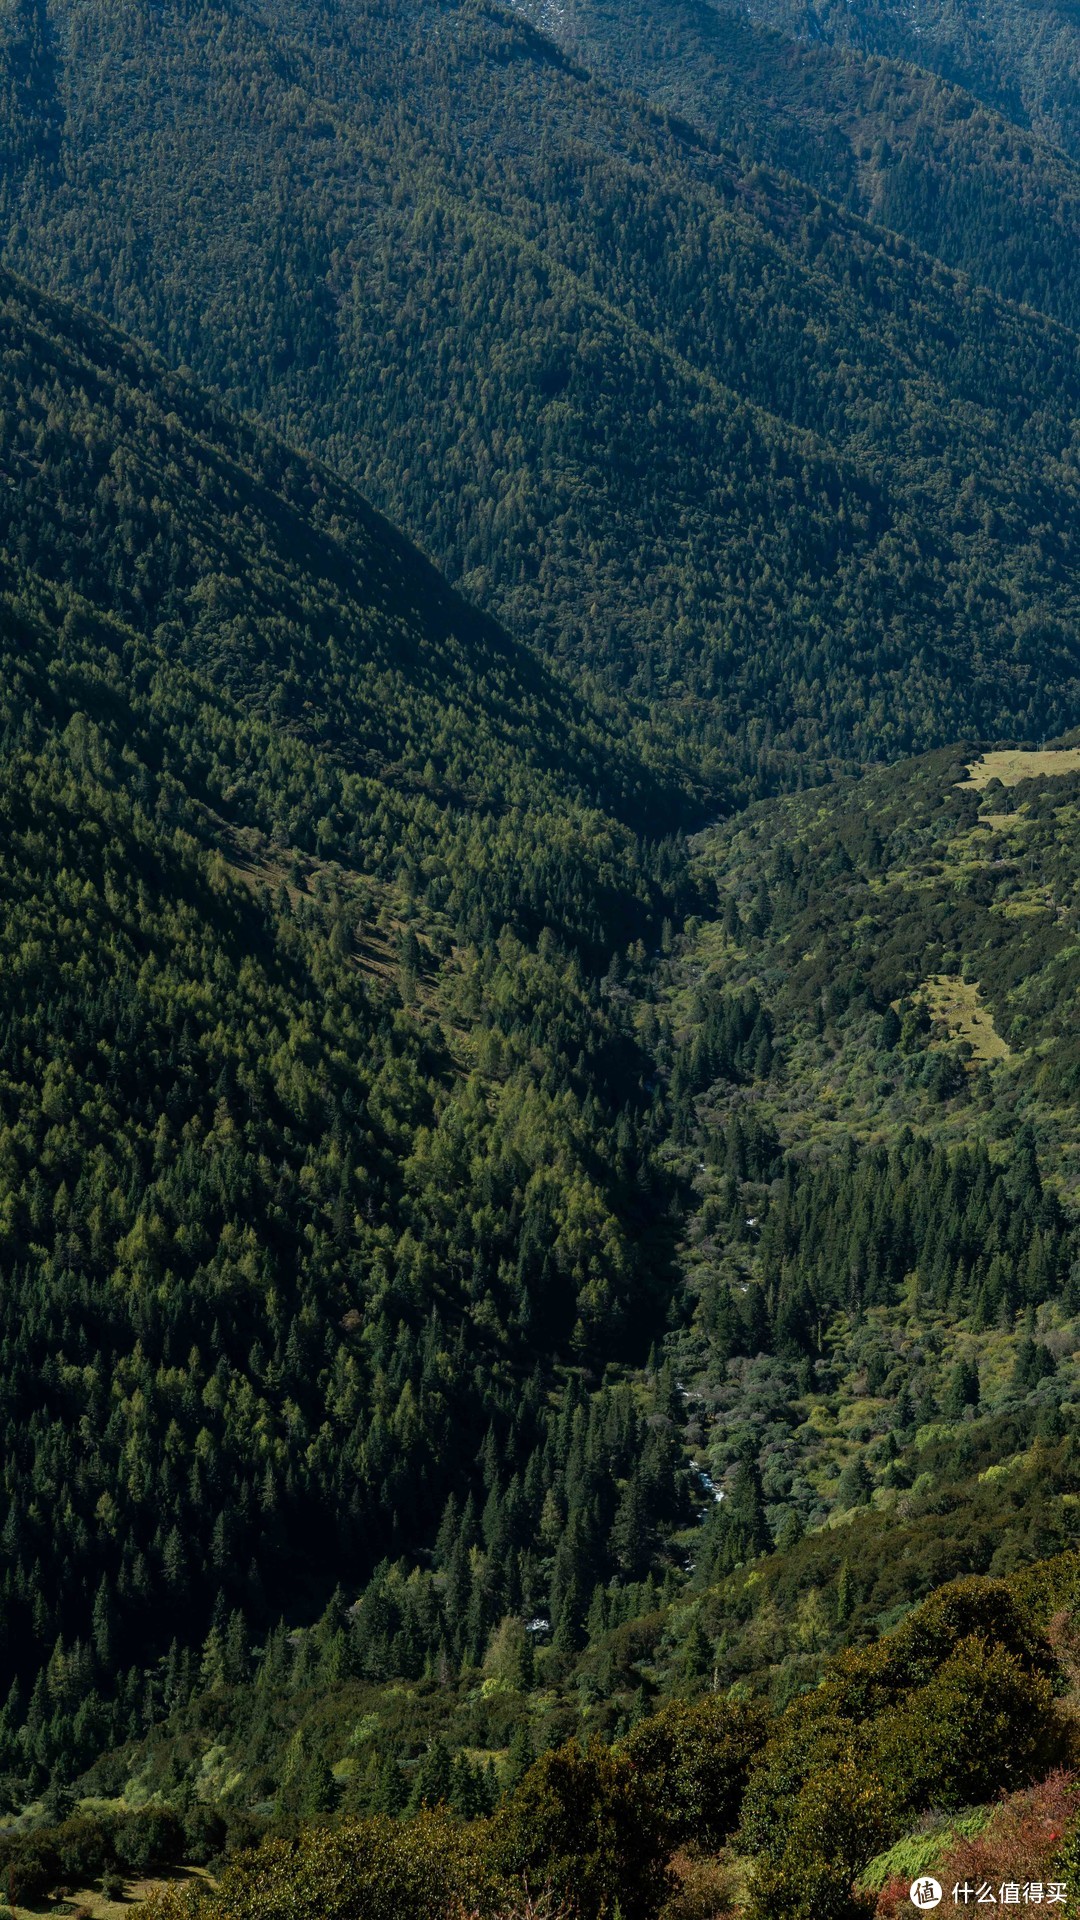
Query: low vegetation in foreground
x=949, y=1742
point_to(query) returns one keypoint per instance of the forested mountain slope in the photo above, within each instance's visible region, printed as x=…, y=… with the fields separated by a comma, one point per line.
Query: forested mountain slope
x=384, y=720
x=338, y=1217
x=720, y=1808
x=888, y=140
x=681, y=424
x=1023, y=60
x=872, y=1355
x=887, y=1190
x=319, y=1146
x=496, y=1297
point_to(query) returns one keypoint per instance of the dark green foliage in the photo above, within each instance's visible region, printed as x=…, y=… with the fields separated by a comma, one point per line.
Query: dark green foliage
x=1027, y=67
x=736, y=1530
x=938, y=1271
x=357, y=1066
x=594, y=367
x=855, y=1486
x=982, y=1726
x=963, y=1389
x=318, y=1790
x=847, y=1234
x=412, y=744
x=1034, y=1362
x=589, y=1826
x=882, y=136
x=286, y=1266
x=83, y=1848
x=695, y=1760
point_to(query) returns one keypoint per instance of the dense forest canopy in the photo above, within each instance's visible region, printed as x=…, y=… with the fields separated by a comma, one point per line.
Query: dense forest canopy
x=670, y=416
x=365, y=713
x=886, y=139
x=539, y=1179
x=305, y=881
x=1021, y=60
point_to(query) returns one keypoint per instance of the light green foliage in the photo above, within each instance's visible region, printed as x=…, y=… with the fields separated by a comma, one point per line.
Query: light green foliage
x=916, y=1853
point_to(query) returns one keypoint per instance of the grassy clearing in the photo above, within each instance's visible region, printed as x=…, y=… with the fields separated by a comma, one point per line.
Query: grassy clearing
x=89, y=1904
x=1006, y=822
x=918, y=1852
x=956, y=1005
x=1014, y=764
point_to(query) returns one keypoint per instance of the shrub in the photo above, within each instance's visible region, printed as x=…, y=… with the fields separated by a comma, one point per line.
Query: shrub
x=694, y=1762
x=839, y=1821
x=982, y=1724
x=863, y=1683
x=805, y=1742
x=205, y=1833
x=705, y=1889
x=587, y=1826
x=153, y=1837
x=31, y=1868
x=423, y=1869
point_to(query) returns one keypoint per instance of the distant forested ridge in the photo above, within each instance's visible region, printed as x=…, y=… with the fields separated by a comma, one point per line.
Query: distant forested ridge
x=788, y=484
x=1022, y=60
x=884, y=137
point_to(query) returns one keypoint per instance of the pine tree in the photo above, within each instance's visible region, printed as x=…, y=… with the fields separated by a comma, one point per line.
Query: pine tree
x=391, y=1793
x=855, y=1486
x=318, y=1791
x=962, y=1390
x=519, y=1758
x=695, y=1655
x=433, y=1780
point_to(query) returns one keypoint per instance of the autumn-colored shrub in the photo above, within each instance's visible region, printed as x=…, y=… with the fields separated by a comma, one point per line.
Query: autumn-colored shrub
x=1022, y=1842
x=705, y=1888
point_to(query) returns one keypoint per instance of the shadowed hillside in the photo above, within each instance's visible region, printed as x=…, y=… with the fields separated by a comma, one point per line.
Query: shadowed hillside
x=681, y=423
